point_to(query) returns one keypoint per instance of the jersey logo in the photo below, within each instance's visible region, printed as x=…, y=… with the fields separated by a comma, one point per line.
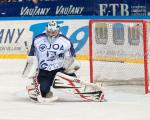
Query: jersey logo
x=51, y=55
x=62, y=47
x=43, y=64
x=61, y=55
x=42, y=47
x=56, y=47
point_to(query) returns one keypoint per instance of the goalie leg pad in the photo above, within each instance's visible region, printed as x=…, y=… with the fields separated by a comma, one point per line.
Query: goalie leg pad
x=36, y=97
x=32, y=92
x=86, y=91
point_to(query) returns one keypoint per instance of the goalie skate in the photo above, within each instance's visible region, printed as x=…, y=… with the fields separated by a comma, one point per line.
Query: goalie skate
x=72, y=85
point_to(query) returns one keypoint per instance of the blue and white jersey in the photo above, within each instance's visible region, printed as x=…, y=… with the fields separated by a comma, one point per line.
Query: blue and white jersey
x=51, y=55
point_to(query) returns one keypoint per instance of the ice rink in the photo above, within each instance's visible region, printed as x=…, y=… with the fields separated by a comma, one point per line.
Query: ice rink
x=122, y=104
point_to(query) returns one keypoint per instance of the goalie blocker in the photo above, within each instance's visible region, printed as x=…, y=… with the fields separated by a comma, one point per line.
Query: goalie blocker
x=85, y=91
x=30, y=73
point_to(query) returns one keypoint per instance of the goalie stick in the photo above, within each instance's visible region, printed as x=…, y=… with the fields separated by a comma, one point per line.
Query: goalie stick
x=38, y=97
x=27, y=51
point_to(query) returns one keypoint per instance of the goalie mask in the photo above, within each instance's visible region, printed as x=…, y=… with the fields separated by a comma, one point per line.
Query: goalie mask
x=52, y=31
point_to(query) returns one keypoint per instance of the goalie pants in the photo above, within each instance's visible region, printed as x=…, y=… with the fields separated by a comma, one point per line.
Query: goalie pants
x=45, y=79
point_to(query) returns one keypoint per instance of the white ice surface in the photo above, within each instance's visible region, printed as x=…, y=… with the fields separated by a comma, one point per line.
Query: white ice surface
x=122, y=104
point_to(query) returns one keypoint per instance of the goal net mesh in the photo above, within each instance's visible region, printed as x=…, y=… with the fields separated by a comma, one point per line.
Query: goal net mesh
x=117, y=52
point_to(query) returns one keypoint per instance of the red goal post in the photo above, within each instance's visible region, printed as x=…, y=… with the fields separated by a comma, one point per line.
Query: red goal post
x=123, y=44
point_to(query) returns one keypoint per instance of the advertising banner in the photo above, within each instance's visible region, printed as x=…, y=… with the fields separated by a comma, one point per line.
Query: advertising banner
x=52, y=8
x=13, y=34
x=121, y=7
x=77, y=8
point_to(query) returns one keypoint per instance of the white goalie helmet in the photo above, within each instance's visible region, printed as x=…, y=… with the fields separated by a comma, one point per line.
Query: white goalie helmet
x=52, y=25
x=52, y=30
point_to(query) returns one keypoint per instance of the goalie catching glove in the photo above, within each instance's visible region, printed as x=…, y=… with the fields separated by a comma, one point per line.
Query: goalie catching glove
x=31, y=67
x=71, y=65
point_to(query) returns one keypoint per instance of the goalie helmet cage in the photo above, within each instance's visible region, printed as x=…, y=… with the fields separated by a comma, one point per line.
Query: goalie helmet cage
x=122, y=47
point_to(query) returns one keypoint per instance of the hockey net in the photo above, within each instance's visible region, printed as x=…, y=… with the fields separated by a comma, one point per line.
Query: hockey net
x=118, y=52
